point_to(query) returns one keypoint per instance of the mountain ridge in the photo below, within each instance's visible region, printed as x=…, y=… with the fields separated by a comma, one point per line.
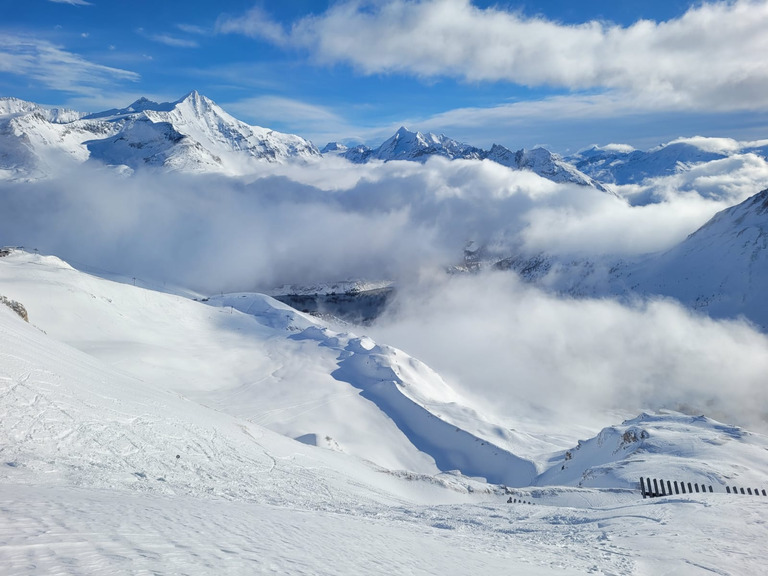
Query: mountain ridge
x=191, y=134
x=418, y=147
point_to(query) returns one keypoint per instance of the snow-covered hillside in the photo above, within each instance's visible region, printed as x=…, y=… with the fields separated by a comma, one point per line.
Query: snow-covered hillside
x=135, y=433
x=252, y=357
x=722, y=268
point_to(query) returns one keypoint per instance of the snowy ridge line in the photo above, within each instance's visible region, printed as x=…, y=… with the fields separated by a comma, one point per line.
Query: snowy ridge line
x=432, y=417
x=419, y=403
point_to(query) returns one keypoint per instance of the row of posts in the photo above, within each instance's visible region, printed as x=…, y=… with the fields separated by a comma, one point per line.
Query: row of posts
x=659, y=489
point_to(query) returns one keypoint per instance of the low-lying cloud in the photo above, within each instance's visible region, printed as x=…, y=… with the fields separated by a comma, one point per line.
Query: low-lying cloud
x=508, y=343
x=332, y=220
x=522, y=352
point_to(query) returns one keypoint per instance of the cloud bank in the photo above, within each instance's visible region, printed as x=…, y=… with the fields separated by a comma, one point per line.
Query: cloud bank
x=713, y=57
x=332, y=220
x=520, y=350
x=522, y=353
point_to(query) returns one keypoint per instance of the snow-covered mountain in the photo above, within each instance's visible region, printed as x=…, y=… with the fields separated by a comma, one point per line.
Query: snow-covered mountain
x=36, y=142
x=416, y=146
x=191, y=134
x=622, y=164
x=722, y=268
x=544, y=163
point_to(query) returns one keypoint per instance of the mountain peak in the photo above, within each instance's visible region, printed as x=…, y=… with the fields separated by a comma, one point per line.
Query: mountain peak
x=197, y=101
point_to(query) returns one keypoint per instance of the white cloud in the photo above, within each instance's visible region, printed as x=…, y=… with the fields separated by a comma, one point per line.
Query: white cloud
x=169, y=40
x=320, y=124
x=72, y=2
x=521, y=351
x=491, y=335
x=711, y=58
x=55, y=67
x=193, y=29
x=255, y=23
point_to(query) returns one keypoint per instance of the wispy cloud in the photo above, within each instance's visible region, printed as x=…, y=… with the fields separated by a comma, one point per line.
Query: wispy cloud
x=55, y=67
x=711, y=57
x=193, y=29
x=169, y=40
x=319, y=123
x=255, y=23
x=72, y=2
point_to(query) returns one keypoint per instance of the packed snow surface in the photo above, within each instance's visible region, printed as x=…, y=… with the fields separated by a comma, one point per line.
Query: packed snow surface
x=147, y=433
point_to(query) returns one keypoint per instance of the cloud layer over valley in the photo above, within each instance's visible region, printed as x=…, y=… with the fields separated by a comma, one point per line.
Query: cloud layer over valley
x=490, y=334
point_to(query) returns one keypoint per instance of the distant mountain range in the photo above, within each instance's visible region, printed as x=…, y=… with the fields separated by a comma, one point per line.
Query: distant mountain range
x=418, y=147
x=194, y=134
x=621, y=164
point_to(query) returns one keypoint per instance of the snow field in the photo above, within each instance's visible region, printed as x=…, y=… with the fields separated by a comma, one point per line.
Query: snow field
x=90, y=482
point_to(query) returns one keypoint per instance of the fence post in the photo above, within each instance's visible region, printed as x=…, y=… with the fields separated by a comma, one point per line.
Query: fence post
x=669, y=487
x=655, y=487
x=728, y=489
x=642, y=487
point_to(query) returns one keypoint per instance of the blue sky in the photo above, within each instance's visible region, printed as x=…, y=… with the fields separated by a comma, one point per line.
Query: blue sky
x=559, y=73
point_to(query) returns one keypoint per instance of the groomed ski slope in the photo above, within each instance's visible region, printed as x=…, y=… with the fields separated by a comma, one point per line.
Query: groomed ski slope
x=90, y=482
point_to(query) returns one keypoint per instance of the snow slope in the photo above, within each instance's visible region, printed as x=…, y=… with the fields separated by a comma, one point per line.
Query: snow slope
x=671, y=446
x=273, y=366
x=104, y=471
x=722, y=268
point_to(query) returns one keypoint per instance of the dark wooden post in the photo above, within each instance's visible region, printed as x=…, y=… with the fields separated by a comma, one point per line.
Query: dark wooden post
x=677, y=488
x=690, y=488
x=710, y=488
x=655, y=487
x=682, y=485
x=728, y=489
x=642, y=487
x=663, y=492
x=669, y=487
x=749, y=491
x=742, y=490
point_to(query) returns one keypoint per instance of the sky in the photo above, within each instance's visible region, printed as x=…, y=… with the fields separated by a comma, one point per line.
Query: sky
x=560, y=74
